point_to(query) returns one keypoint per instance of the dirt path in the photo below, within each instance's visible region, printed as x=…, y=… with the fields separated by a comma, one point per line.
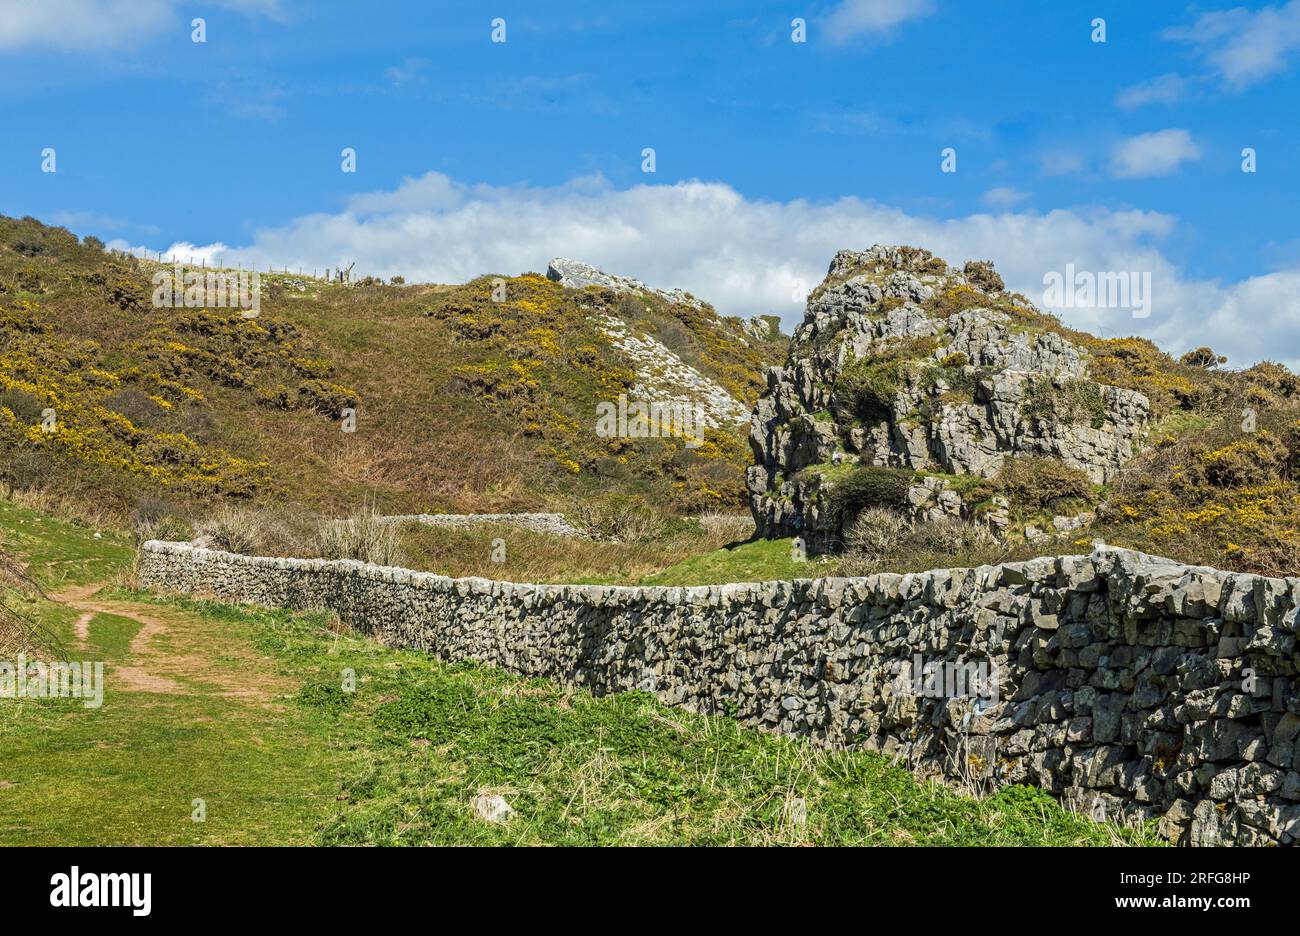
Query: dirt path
x=175, y=652
x=82, y=629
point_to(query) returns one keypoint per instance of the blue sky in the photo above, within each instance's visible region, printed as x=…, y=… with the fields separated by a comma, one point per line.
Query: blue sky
x=475, y=156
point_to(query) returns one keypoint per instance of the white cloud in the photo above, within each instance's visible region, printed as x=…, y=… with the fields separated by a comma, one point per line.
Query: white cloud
x=750, y=256
x=411, y=71
x=1059, y=162
x=81, y=24
x=1163, y=89
x=1158, y=153
x=89, y=24
x=1003, y=196
x=1245, y=46
x=853, y=18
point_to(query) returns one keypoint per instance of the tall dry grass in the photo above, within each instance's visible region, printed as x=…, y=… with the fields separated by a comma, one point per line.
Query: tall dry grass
x=20, y=631
x=365, y=537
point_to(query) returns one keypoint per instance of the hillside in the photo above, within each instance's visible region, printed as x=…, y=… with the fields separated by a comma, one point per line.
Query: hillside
x=919, y=388
x=462, y=402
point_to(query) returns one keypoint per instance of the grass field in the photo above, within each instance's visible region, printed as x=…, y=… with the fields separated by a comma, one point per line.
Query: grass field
x=245, y=711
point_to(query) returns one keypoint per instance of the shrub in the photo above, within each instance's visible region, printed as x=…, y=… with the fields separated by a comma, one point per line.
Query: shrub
x=25, y=406
x=136, y=406
x=980, y=273
x=155, y=518
x=946, y=302
x=869, y=385
x=240, y=530
x=26, y=469
x=20, y=630
x=727, y=527
x=1072, y=401
x=1254, y=460
x=1203, y=356
x=169, y=528
x=866, y=487
x=876, y=533
x=1036, y=482
x=127, y=295
x=869, y=388
x=949, y=536
x=1273, y=377
x=328, y=399
x=885, y=541
x=621, y=518
x=365, y=537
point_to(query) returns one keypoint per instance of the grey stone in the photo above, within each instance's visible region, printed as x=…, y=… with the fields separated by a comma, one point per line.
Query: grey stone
x=869, y=300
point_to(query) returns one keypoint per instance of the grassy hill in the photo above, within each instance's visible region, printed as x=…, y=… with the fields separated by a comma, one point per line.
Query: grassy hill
x=462, y=403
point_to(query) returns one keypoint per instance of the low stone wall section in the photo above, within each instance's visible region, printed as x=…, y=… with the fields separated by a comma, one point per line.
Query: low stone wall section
x=1126, y=685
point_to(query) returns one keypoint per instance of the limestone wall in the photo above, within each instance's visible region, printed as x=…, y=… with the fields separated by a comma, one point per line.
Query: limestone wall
x=552, y=523
x=1126, y=685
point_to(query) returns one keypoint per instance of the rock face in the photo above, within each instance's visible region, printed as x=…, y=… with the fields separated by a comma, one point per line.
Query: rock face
x=902, y=361
x=1128, y=686
x=662, y=376
x=578, y=275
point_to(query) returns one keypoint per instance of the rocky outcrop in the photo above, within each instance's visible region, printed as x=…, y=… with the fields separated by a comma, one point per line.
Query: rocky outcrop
x=663, y=378
x=578, y=275
x=902, y=361
x=1128, y=686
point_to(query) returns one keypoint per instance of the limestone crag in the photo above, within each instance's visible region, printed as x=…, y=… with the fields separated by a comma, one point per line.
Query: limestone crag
x=664, y=378
x=578, y=275
x=902, y=361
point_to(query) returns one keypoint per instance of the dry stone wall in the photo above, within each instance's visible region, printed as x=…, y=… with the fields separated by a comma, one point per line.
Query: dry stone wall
x=552, y=523
x=1124, y=684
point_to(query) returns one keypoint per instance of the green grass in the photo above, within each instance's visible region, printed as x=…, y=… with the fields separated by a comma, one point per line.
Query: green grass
x=757, y=561
x=60, y=552
x=419, y=738
x=129, y=773
x=263, y=731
